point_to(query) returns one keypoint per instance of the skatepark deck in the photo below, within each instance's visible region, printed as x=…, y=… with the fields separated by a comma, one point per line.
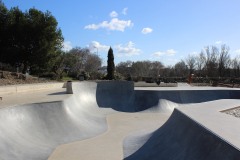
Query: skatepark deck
x=112, y=120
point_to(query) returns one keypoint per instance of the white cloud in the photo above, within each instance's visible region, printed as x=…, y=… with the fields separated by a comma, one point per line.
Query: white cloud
x=92, y=26
x=96, y=45
x=218, y=42
x=124, y=11
x=115, y=24
x=120, y=50
x=67, y=46
x=113, y=14
x=127, y=50
x=146, y=30
x=158, y=54
x=170, y=52
x=237, y=51
x=194, y=53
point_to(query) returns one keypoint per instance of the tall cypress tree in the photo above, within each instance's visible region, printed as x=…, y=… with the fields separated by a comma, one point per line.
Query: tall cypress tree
x=111, y=65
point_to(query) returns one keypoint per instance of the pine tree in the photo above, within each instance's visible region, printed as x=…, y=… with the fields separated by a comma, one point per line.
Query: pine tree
x=110, y=65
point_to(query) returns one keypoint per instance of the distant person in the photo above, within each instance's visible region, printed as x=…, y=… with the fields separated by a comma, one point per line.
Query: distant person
x=190, y=77
x=158, y=80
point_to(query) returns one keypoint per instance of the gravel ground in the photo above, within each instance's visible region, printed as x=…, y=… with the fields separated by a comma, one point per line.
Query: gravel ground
x=13, y=78
x=4, y=82
x=234, y=112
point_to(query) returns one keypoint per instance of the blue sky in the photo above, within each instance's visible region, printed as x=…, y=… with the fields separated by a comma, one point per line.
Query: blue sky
x=161, y=30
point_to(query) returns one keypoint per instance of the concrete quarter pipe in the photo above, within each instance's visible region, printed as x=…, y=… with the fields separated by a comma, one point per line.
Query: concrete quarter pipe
x=33, y=131
x=182, y=138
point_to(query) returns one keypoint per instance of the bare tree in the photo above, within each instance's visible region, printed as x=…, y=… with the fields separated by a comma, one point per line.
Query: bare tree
x=236, y=66
x=191, y=63
x=156, y=66
x=224, y=60
x=200, y=59
x=125, y=68
x=93, y=63
x=167, y=72
x=181, y=69
x=211, y=60
x=80, y=60
x=141, y=68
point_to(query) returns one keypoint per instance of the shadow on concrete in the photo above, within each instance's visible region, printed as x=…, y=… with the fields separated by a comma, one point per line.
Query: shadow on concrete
x=121, y=96
x=58, y=93
x=182, y=138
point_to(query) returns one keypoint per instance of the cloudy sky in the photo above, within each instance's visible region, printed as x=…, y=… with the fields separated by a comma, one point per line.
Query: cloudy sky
x=162, y=30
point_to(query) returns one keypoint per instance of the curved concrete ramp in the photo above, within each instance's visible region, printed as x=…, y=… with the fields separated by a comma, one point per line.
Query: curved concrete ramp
x=121, y=96
x=118, y=95
x=182, y=138
x=144, y=99
x=33, y=131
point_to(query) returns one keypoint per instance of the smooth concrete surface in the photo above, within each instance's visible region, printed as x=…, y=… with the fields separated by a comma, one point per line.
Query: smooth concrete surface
x=182, y=138
x=110, y=144
x=40, y=96
x=209, y=115
x=32, y=131
x=94, y=123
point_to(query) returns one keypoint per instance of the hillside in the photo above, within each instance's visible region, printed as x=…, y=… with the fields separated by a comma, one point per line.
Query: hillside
x=12, y=78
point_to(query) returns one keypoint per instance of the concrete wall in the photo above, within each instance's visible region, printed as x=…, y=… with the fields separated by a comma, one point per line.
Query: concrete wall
x=11, y=89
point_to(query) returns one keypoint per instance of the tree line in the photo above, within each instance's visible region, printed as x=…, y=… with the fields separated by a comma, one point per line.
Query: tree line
x=210, y=62
x=31, y=41
x=78, y=61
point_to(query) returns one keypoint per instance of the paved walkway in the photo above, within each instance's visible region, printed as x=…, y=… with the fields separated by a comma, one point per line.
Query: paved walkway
x=49, y=95
x=110, y=144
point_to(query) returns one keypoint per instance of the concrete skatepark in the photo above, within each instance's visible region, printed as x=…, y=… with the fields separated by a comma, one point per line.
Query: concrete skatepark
x=115, y=120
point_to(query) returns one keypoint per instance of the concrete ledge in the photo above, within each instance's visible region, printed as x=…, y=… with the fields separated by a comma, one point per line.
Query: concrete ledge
x=8, y=90
x=28, y=87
